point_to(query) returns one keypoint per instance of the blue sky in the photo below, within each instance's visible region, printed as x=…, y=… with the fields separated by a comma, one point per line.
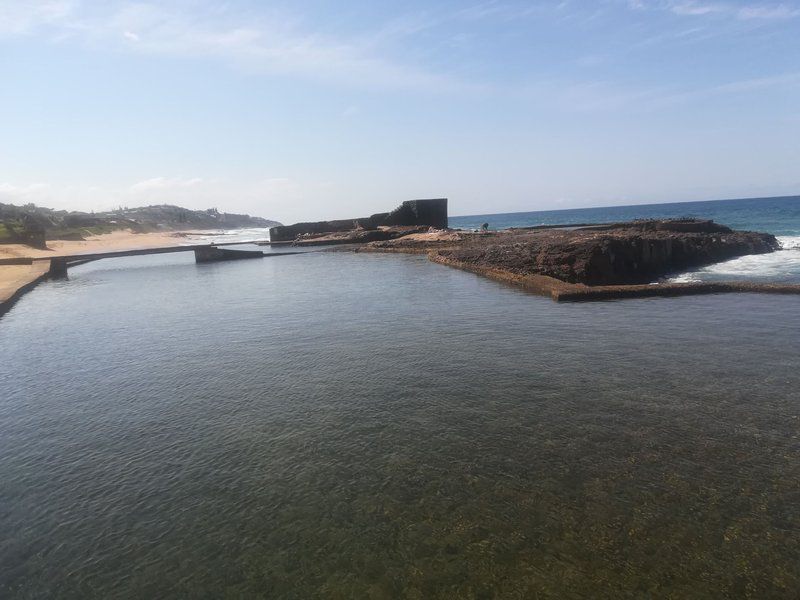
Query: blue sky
x=309, y=109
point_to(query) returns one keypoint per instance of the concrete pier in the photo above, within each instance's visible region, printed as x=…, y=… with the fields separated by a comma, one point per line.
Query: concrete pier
x=206, y=254
x=29, y=271
x=203, y=254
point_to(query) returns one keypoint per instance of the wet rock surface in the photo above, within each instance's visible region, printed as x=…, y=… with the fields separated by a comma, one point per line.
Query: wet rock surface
x=618, y=254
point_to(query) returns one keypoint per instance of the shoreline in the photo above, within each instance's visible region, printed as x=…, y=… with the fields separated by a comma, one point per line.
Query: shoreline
x=17, y=280
x=22, y=267
x=116, y=240
x=605, y=262
x=562, y=291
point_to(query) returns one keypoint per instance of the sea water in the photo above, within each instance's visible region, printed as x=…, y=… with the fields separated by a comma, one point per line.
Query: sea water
x=342, y=425
x=778, y=216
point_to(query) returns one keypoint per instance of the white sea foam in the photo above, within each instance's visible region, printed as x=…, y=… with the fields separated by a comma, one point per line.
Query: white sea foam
x=789, y=242
x=783, y=265
x=221, y=236
x=691, y=277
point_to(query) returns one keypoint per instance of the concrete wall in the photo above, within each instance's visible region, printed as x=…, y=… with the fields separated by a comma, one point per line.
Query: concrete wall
x=430, y=213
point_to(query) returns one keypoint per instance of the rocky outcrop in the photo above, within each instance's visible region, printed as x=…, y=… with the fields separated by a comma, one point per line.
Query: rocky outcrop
x=561, y=291
x=641, y=257
x=417, y=213
x=290, y=233
x=358, y=236
x=621, y=254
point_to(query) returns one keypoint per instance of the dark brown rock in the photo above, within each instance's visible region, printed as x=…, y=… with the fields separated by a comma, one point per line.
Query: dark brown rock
x=416, y=213
x=359, y=236
x=626, y=253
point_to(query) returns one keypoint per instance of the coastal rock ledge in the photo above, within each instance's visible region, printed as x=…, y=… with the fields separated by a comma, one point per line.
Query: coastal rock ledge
x=624, y=254
x=638, y=252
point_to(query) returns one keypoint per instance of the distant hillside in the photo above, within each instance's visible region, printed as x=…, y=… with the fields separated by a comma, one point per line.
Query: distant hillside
x=32, y=224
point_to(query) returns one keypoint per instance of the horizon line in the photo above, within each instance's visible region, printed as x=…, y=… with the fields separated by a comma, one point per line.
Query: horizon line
x=518, y=212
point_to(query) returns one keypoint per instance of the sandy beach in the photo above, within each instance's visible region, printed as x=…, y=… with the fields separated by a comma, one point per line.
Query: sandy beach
x=117, y=240
x=14, y=279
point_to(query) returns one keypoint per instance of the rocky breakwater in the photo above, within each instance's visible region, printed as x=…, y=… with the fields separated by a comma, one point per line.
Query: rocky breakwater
x=411, y=213
x=620, y=254
x=618, y=260
x=356, y=236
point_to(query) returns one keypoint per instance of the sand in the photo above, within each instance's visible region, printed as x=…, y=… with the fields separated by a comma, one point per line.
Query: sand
x=15, y=279
x=117, y=240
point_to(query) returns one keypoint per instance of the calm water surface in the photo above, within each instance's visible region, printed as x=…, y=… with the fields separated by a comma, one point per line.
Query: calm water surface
x=351, y=426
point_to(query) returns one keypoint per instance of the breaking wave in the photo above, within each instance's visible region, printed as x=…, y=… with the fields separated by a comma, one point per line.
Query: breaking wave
x=782, y=266
x=221, y=236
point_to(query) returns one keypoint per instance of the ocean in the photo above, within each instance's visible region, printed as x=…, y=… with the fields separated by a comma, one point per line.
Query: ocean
x=340, y=425
x=778, y=216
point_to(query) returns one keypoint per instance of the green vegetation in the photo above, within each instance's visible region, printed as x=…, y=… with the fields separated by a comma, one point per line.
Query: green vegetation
x=31, y=224
x=6, y=232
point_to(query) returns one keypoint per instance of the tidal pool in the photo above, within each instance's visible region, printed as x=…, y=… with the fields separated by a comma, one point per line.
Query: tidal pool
x=346, y=425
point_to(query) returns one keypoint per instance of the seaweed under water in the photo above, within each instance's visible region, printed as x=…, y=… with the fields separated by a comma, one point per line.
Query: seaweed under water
x=348, y=425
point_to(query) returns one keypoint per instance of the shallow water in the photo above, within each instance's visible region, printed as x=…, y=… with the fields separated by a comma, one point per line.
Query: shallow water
x=345, y=425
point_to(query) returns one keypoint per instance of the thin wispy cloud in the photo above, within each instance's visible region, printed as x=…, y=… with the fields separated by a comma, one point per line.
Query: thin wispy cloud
x=785, y=80
x=270, y=43
x=281, y=43
x=603, y=96
x=695, y=9
x=779, y=11
x=18, y=18
x=497, y=10
x=308, y=109
x=680, y=36
x=351, y=112
x=698, y=8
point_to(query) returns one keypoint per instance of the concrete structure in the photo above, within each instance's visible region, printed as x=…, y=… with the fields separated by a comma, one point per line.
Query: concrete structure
x=428, y=213
x=432, y=213
x=206, y=254
x=28, y=272
x=202, y=253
